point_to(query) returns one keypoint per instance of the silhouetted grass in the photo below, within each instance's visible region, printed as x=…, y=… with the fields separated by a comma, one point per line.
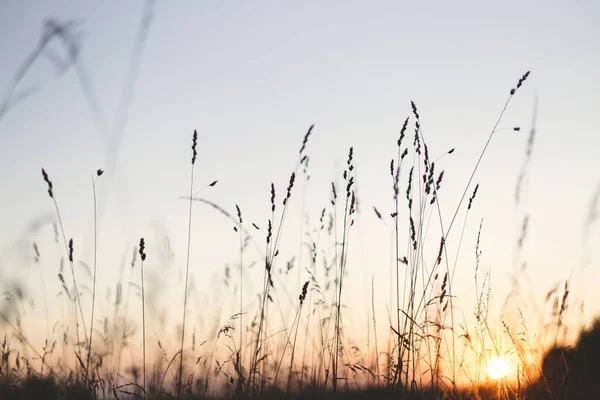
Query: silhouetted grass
x=423, y=356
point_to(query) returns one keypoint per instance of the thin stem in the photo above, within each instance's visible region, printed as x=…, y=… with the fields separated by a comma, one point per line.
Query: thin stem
x=285, y=346
x=240, y=361
x=143, y=327
x=289, y=383
x=187, y=272
x=477, y=166
x=94, y=284
x=345, y=233
x=78, y=300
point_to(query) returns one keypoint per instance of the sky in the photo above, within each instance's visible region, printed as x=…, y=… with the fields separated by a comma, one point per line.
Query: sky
x=251, y=78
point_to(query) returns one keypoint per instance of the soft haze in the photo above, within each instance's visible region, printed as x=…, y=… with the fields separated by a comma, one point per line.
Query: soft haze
x=251, y=78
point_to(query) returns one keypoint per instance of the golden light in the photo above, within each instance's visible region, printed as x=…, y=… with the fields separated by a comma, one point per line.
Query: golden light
x=498, y=368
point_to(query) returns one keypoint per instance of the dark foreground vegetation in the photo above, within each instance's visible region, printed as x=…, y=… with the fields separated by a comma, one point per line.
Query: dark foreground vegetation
x=567, y=373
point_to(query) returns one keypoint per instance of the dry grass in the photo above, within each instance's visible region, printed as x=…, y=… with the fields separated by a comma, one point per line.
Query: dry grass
x=303, y=348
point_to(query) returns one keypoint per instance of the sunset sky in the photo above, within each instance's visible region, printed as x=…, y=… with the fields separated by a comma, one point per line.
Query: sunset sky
x=251, y=77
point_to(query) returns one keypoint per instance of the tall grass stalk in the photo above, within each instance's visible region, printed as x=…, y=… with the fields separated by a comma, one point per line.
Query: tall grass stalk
x=302, y=297
x=348, y=211
x=293, y=328
x=446, y=232
x=89, y=352
x=271, y=251
x=187, y=264
x=142, y=259
x=375, y=327
x=69, y=250
x=395, y=173
x=239, y=360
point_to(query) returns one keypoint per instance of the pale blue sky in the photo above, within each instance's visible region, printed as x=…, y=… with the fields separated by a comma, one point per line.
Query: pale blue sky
x=251, y=77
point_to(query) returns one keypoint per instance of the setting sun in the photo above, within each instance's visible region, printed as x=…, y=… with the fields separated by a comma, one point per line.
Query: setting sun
x=498, y=368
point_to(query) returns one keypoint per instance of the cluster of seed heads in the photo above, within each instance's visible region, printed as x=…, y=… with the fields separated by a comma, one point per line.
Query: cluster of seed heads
x=414, y=109
x=426, y=159
x=413, y=233
x=348, y=177
x=520, y=83
x=272, y=197
x=302, y=296
x=473, y=196
x=402, y=132
x=304, y=161
x=395, y=176
x=417, y=139
x=49, y=182
x=444, y=283
x=70, y=250
x=306, y=139
x=142, y=250
x=194, y=144
x=409, y=188
x=239, y=214
x=268, y=268
x=438, y=183
x=563, y=303
x=428, y=178
x=334, y=193
x=269, y=232
x=395, y=172
x=36, y=251
x=523, y=231
x=289, y=188
x=439, y=257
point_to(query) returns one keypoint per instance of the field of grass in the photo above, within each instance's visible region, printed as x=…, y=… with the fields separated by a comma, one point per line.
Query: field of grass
x=272, y=350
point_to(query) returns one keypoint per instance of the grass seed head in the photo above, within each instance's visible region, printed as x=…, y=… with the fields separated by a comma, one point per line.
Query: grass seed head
x=414, y=109
x=71, y=250
x=289, y=188
x=520, y=82
x=473, y=196
x=272, y=197
x=239, y=213
x=194, y=145
x=306, y=138
x=302, y=296
x=402, y=132
x=142, y=249
x=49, y=182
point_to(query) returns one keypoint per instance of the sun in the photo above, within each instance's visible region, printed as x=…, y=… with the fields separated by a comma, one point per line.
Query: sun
x=498, y=368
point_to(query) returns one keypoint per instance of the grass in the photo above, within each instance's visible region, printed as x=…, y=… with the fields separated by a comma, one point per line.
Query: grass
x=142, y=259
x=187, y=264
x=89, y=349
x=303, y=347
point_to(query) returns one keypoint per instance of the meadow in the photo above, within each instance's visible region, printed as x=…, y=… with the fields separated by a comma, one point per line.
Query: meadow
x=294, y=338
